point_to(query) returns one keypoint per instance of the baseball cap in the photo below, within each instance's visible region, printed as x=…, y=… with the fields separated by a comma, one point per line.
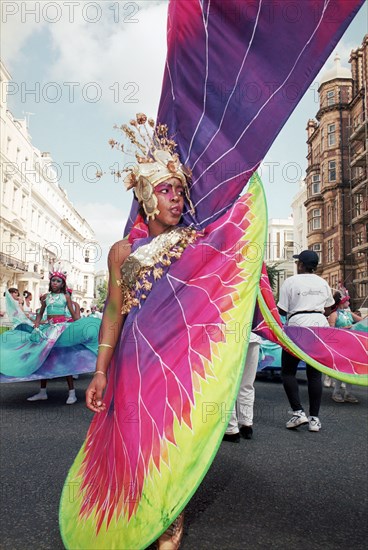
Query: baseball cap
x=308, y=257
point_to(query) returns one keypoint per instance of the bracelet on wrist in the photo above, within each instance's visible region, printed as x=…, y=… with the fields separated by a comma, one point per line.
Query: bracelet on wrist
x=100, y=372
x=105, y=346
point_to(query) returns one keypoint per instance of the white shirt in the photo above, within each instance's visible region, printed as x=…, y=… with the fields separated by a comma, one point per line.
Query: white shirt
x=96, y=314
x=305, y=292
x=254, y=338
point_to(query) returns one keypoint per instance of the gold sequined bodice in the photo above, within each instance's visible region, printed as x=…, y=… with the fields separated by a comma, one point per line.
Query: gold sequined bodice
x=148, y=260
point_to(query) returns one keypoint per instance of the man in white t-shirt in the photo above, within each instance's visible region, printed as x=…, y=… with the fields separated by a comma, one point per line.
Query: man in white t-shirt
x=306, y=300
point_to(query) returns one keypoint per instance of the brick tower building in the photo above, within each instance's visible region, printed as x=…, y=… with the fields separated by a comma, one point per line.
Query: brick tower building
x=336, y=177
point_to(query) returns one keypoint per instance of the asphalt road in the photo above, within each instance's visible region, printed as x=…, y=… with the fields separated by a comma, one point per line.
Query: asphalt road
x=289, y=490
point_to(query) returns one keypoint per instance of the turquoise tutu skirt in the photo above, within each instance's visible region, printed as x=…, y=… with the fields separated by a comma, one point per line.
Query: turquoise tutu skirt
x=51, y=351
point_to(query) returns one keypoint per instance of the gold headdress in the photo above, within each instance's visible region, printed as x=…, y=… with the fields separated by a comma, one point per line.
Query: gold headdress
x=156, y=162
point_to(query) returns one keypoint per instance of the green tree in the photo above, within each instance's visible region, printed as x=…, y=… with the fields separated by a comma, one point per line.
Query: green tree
x=101, y=295
x=273, y=275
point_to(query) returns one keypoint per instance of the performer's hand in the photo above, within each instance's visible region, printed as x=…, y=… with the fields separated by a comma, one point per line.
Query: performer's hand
x=94, y=394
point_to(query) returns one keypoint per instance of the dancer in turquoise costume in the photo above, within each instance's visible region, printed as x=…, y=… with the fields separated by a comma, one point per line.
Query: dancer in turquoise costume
x=59, y=309
x=48, y=349
x=343, y=318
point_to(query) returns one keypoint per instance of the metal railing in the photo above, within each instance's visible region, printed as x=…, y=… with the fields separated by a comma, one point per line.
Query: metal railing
x=14, y=263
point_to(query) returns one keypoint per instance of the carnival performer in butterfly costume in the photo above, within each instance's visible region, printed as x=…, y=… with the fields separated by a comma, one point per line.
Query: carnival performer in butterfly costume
x=52, y=348
x=172, y=362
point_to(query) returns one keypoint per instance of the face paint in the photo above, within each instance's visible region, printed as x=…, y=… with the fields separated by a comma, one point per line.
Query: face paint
x=170, y=203
x=172, y=190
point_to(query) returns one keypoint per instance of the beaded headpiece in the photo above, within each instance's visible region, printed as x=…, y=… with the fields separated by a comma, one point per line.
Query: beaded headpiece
x=60, y=274
x=156, y=161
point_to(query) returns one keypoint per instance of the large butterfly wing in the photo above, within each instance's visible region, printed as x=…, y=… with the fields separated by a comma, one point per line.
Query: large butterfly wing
x=171, y=388
x=235, y=71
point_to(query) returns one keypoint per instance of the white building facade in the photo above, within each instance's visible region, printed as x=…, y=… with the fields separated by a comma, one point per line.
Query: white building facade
x=101, y=277
x=280, y=248
x=300, y=218
x=40, y=229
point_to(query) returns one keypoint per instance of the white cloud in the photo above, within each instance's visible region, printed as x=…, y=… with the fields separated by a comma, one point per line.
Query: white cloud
x=114, y=55
x=111, y=52
x=16, y=30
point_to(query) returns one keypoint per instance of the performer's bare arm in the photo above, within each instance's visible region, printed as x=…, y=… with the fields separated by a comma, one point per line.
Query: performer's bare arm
x=112, y=322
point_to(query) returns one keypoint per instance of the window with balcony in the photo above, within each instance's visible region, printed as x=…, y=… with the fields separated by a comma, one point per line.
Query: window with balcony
x=357, y=204
x=357, y=173
x=317, y=247
x=334, y=282
x=330, y=251
x=316, y=184
x=362, y=287
x=331, y=135
x=316, y=218
x=362, y=290
x=330, y=97
x=359, y=238
x=288, y=236
x=358, y=241
x=332, y=170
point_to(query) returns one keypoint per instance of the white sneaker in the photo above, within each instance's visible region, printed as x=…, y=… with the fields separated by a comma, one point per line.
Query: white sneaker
x=71, y=399
x=350, y=398
x=314, y=424
x=298, y=419
x=40, y=396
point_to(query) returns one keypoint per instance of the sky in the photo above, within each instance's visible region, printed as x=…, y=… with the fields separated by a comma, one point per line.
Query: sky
x=79, y=67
